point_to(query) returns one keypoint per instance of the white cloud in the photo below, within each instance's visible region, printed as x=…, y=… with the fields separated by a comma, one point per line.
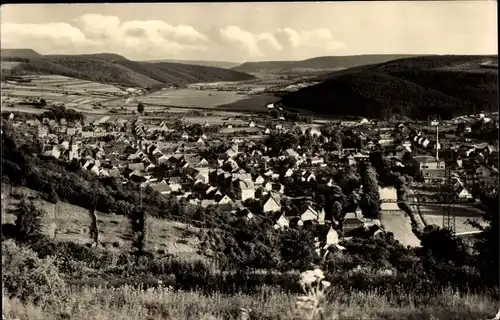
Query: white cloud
x=305, y=43
x=157, y=39
x=99, y=33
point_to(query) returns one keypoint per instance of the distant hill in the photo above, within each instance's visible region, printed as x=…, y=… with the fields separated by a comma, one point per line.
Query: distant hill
x=206, y=63
x=414, y=87
x=330, y=62
x=21, y=53
x=113, y=68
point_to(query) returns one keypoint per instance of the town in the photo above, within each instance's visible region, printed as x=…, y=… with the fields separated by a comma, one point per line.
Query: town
x=250, y=161
x=258, y=165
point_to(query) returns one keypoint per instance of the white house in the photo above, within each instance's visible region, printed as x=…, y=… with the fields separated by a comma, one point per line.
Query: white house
x=464, y=194
x=282, y=222
x=271, y=205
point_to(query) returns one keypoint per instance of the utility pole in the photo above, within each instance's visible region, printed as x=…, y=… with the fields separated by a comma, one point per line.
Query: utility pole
x=436, y=124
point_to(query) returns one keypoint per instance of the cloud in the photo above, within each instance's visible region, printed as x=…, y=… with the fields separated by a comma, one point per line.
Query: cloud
x=94, y=32
x=157, y=39
x=259, y=45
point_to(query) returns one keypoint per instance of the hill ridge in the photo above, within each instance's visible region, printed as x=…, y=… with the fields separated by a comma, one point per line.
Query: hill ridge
x=324, y=62
x=114, y=68
x=413, y=87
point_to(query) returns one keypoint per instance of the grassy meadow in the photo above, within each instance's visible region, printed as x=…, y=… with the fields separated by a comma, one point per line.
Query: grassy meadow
x=161, y=303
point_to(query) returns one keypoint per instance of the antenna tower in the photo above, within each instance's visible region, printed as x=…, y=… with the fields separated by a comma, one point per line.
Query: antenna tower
x=449, y=214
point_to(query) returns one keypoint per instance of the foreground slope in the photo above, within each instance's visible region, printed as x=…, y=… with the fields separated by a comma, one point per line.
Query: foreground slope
x=112, y=68
x=329, y=62
x=413, y=87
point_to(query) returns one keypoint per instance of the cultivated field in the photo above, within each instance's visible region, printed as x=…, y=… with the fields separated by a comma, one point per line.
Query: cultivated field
x=79, y=94
x=400, y=225
x=66, y=222
x=192, y=98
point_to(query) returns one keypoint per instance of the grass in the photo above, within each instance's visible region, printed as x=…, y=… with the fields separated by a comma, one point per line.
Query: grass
x=71, y=223
x=133, y=303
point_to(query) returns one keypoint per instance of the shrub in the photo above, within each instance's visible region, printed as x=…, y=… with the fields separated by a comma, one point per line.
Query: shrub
x=29, y=221
x=27, y=277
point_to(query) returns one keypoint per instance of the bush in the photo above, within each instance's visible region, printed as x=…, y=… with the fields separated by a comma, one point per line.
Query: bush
x=27, y=277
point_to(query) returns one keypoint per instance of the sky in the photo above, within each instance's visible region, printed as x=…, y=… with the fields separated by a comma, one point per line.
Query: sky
x=241, y=32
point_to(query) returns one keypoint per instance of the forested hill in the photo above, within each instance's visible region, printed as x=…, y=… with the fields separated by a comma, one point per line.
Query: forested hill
x=318, y=63
x=113, y=68
x=412, y=87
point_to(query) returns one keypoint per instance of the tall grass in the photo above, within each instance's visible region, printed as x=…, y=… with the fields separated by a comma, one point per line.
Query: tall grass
x=129, y=302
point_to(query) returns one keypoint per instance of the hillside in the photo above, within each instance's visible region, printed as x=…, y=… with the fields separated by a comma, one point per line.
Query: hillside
x=113, y=68
x=413, y=87
x=330, y=62
x=206, y=63
x=22, y=53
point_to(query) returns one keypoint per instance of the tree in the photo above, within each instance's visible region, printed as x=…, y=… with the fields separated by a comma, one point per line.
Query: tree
x=370, y=201
x=29, y=221
x=140, y=107
x=337, y=210
x=94, y=231
x=487, y=244
x=297, y=249
x=138, y=221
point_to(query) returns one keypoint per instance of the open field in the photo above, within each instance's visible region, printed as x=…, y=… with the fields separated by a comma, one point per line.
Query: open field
x=66, y=222
x=134, y=303
x=192, y=98
x=254, y=103
x=433, y=214
x=400, y=225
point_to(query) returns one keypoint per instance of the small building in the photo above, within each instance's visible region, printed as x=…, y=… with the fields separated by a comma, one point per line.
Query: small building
x=352, y=221
x=464, y=194
x=272, y=204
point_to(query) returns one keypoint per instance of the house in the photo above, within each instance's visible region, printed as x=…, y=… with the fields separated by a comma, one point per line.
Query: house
x=175, y=184
x=464, y=194
x=185, y=135
x=136, y=166
x=11, y=116
x=308, y=213
x=281, y=221
x=162, y=188
x=71, y=131
x=232, y=151
x=225, y=203
x=52, y=151
x=434, y=175
x=43, y=131
x=87, y=134
x=271, y=204
x=251, y=124
x=292, y=154
x=352, y=221
x=426, y=162
x=259, y=180
x=244, y=190
x=364, y=121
